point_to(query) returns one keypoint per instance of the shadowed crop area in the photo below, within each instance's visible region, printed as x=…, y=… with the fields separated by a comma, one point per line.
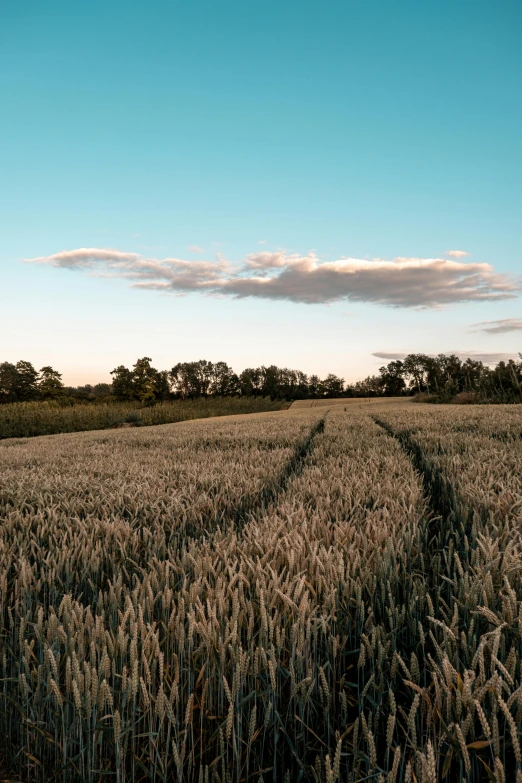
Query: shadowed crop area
x=27, y=419
x=322, y=594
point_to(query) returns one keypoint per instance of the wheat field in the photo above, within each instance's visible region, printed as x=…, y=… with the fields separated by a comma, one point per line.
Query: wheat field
x=323, y=594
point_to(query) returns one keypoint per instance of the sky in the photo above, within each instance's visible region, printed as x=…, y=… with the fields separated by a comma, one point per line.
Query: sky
x=322, y=186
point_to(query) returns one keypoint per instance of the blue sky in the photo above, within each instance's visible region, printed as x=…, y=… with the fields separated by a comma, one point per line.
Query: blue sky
x=258, y=145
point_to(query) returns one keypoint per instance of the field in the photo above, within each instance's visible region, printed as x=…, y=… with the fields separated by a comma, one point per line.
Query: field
x=321, y=594
x=350, y=401
x=27, y=419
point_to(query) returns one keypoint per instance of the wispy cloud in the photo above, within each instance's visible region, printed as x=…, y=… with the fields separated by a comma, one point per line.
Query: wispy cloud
x=402, y=282
x=485, y=358
x=195, y=249
x=499, y=327
x=390, y=356
x=172, y=274
x=457, y=253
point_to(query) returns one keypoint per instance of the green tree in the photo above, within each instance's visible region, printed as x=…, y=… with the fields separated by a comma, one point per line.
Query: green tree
x=27, y=382
x=250, y=382
x=332, y=386
x=392, y=380
x=145, y=380
x=314, y=382
x=415, y=367
x=224, y=381
x=122, y=383
x=162, y=385
x=271, y=382
x=50, y=383
x=187, y=379
x=301, y=391
x=8, y=382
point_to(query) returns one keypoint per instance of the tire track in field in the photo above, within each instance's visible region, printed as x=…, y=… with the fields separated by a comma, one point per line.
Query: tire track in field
x=447, y=505
x=450, y=527
x=258, y=502
x=255, y=504
x=439, y=491
x=446, y=575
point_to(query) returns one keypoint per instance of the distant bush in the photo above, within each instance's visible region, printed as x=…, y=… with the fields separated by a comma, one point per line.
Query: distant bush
x=462, y=398
x=133, y=417
x=423, y=397
x=466, y=398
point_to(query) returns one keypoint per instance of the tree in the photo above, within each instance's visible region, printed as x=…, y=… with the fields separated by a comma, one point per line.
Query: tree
x=204, y=372
x=145, y=380
x=271, y=382
x=27, y=382
x=203, y=378
x=223, y=381
x=332, y=386
x=301, y=391
x=250, y=382
x=143, y=383
x=369, y=387
x=314, y=383
x=50, y=384
x=122, y=383
x=162, y=385
x=102, y=390
x=451, y=373
x=414, y=367
x=8, y=382
x=90, y=393
x=472, y=371
x=392, y=380
x=187, y=380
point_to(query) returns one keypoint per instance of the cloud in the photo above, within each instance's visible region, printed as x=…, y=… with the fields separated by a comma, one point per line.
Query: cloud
x=402, y=282
x=195, y=249
x=86, y=257
x=171, y=274
x=488, y=358
x=499, y=327
x=389, y=356
x=267, y=260
x=457, y=253
x=262, y=242
x=485, y=358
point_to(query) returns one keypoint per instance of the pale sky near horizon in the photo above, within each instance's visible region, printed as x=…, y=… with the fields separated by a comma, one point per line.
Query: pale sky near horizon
x=322, y=186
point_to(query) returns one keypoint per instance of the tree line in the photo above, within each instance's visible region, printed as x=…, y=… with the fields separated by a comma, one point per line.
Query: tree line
x=442, y=378
x=190, y=380
x=20, y=382
x=446, y=377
